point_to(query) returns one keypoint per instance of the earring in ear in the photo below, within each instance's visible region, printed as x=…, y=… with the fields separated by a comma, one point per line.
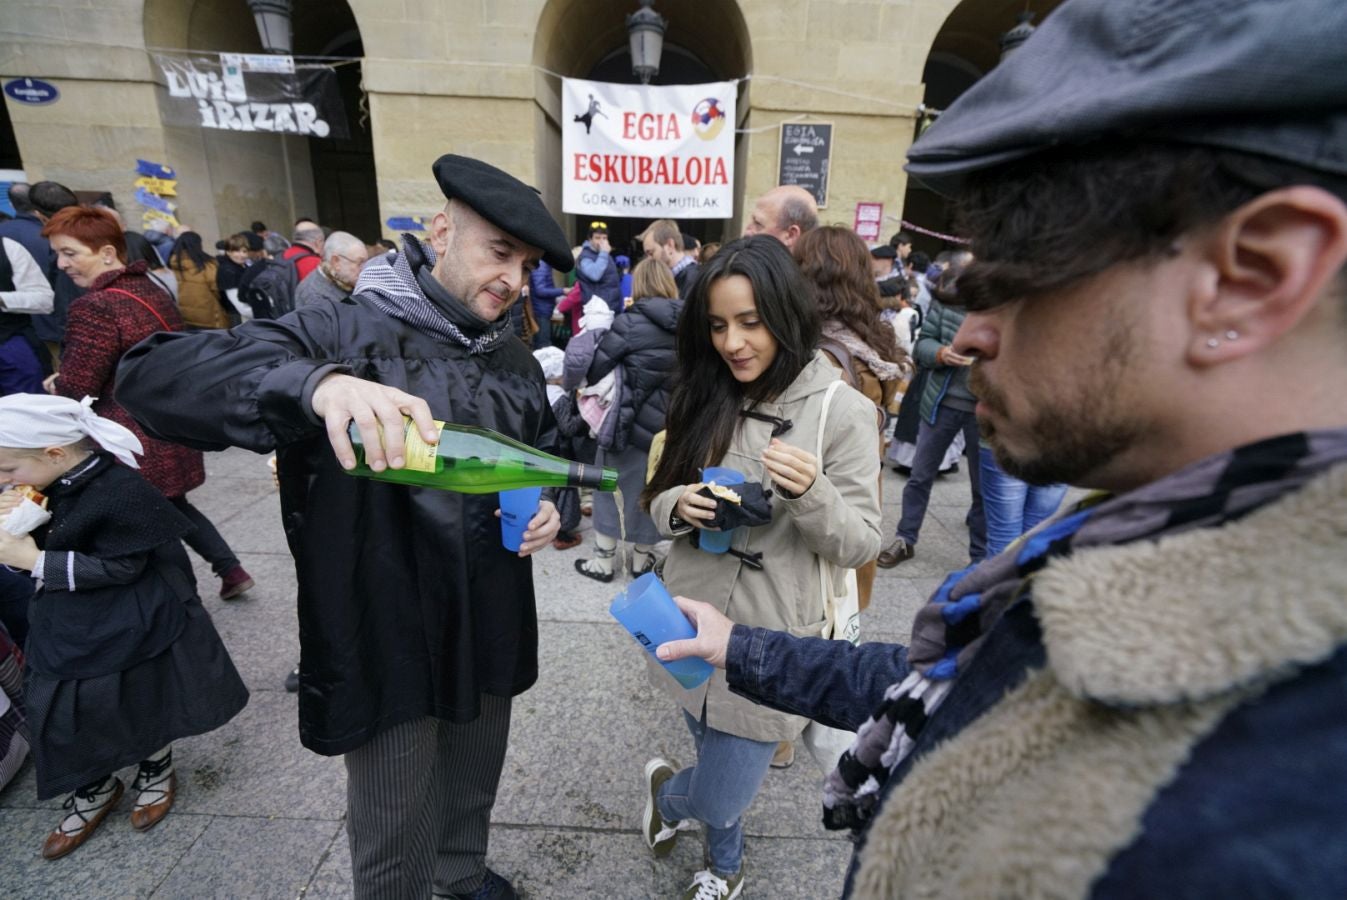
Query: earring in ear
x=1232, y=335
x=1212, y=343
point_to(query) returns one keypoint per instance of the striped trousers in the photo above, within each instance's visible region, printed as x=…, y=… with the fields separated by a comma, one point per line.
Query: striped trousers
x=418, y=804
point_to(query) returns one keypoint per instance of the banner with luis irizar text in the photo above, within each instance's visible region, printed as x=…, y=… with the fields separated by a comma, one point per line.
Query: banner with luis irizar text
x=648, y=152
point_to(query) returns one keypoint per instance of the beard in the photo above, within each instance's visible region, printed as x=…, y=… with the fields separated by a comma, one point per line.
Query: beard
x=1072, y=437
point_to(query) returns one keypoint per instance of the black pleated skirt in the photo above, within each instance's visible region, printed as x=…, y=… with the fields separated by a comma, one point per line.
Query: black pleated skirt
x=84, y=729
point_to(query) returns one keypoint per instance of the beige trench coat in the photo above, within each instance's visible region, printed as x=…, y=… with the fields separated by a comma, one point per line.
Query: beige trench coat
x=838, y=518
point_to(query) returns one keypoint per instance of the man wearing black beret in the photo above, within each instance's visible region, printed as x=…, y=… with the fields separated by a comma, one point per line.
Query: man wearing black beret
x=1145, y=696
x=416, y=626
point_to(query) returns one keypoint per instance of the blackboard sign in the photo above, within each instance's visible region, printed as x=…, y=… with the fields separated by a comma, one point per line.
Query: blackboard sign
x=806, y=148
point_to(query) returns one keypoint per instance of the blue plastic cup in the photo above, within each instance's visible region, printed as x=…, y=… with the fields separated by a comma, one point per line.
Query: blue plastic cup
x=516, y=510
x=650, y=615
x=718, y=541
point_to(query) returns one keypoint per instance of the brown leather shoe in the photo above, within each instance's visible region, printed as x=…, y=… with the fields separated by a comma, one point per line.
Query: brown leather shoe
x=898, y=552
x=566, y=540
x=784, y=756
x=59, y=842
x=143, y=818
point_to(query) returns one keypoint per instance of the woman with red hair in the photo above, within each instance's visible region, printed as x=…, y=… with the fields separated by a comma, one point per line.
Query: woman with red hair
x=123, y=306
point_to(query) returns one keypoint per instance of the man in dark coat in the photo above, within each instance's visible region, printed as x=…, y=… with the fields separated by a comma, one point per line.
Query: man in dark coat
x=416, y=625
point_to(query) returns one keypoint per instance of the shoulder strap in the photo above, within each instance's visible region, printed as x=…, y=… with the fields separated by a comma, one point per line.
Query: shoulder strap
x=843, y=356
x=823, y=420
x=153, y=311
x=825, y=568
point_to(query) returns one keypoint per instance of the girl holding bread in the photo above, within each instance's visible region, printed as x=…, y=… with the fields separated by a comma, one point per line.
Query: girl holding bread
x=121, y=657
x=751, y=395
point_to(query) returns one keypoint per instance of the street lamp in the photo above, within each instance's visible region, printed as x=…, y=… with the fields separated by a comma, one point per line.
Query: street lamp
x=1012, y=39
x=273, y=24
x=646, y=29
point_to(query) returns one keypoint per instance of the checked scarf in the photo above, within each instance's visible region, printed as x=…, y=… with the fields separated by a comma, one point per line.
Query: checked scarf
x=950, y=629
x=405, y=289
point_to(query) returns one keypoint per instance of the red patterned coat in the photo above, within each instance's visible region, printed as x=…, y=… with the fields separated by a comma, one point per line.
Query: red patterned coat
x=103, y=325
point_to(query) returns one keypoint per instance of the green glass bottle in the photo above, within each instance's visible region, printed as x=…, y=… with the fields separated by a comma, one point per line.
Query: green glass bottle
x=473, y=460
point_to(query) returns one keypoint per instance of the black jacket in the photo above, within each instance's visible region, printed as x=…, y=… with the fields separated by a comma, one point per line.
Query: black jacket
x=642, y=342
x=686, y=278
x=133, y=579
x=408, y=604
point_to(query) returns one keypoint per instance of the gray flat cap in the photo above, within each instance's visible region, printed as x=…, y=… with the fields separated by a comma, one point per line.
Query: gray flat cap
x=1261, y=76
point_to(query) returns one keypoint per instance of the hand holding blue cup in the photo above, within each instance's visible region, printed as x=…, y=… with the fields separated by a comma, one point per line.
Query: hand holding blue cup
x=718, y=541
x=650, y=615
x=517, y=509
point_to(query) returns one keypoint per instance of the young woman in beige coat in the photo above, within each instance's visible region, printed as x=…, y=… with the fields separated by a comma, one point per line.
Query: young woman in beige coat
x=749, y=396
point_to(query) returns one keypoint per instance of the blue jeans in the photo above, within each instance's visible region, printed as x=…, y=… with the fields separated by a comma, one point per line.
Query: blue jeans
x=1012, y=506
x=717, y=790
x=933, y=439
x=542, y=314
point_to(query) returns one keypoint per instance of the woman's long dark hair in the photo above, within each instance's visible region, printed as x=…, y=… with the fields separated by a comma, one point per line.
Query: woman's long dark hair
x=139, y=249
x=188, y=244
x=706, y=400
x=836, y=261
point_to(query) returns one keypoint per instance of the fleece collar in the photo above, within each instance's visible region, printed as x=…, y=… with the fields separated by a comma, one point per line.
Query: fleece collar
x=1200, y=613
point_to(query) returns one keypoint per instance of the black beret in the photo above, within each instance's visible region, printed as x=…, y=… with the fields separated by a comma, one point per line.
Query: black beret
x=883, y=251
x=505, y=202
x=1262, y=78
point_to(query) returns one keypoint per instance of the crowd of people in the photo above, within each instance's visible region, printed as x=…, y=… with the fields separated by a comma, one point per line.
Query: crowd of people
x=1135, y=693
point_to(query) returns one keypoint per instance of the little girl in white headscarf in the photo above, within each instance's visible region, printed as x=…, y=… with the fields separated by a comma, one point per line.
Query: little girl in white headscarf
x=121, y=657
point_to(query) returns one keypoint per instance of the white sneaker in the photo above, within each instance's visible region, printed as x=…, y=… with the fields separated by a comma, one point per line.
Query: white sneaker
x=707, y=885
x=660, y=836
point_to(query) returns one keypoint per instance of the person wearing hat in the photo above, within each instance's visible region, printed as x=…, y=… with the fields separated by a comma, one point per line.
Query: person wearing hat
x=597, y=273
x=416, y=626
x=1144, y=697
x=883, y=264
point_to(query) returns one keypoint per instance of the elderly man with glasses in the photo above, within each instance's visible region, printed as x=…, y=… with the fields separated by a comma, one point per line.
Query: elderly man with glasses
x=334, y=279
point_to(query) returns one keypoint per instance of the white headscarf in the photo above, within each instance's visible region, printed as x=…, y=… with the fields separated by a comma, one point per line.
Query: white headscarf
x=598, y=315
x=34, y=421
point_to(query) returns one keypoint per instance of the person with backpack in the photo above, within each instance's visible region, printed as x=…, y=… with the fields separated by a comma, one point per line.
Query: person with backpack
x=854, y=337
x=269, y=286
x=306, y=248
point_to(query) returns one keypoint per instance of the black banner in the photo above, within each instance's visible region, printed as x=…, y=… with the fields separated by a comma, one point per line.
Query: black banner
x=252, y=92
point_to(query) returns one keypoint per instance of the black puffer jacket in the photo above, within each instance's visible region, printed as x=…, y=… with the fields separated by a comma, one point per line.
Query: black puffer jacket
x=641, y=341
x=408, y=604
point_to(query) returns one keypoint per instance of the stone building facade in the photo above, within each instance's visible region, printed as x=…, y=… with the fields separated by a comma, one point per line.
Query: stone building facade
x=478, y=77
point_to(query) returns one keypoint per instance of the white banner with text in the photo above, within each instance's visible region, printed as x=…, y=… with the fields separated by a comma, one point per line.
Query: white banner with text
x=648, y=152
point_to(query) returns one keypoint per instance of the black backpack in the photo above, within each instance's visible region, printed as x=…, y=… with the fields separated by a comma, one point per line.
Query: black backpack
x=271, y=291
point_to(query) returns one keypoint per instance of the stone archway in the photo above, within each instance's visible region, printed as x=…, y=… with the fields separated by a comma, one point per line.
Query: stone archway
x=966, y=48
x=588, y=39
x=227, y=179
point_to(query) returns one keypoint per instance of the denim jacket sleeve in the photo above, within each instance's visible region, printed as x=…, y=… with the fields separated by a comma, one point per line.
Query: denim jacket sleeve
x=831, y=682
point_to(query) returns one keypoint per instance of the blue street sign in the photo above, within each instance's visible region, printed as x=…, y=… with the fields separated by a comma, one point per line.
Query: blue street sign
x=31, y=91
x=154, y=170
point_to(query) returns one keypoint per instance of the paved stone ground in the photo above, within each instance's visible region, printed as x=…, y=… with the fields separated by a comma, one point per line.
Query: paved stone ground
x=258, y=816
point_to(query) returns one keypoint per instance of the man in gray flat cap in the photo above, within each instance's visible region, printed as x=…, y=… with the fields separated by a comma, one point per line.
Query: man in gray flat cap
x=1146, y=696
x=416, y=626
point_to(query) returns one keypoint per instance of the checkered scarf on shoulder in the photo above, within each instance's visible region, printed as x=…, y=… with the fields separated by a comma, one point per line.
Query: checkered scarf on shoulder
x=405, y=289
x=950, y=629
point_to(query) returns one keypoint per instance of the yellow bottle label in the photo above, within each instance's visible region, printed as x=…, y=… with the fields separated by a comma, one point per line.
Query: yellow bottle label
x=420, y=456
